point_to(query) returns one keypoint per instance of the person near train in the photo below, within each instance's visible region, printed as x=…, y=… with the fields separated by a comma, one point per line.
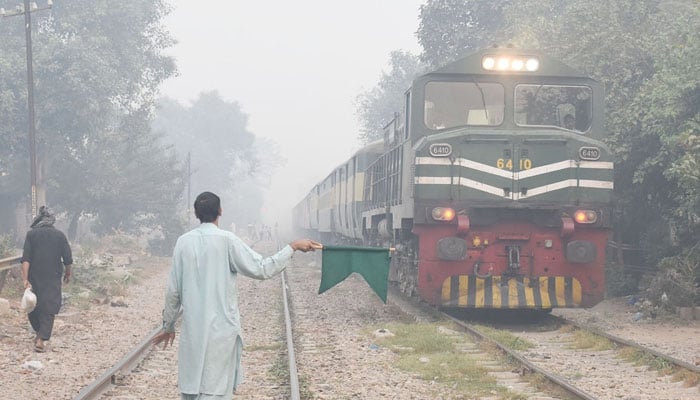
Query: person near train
x=46, y=257
x=207, y=262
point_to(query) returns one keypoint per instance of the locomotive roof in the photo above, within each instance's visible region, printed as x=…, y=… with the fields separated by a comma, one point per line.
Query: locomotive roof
x=548, y=66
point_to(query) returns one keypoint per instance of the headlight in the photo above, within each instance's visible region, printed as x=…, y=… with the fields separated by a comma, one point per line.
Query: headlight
x=585, y=216
x=517, y=65
x=532, y=64
x=488, y=63
x=508, y=63
x=443, y=214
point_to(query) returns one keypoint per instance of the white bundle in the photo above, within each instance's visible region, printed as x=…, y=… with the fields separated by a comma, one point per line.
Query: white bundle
x=28, y=301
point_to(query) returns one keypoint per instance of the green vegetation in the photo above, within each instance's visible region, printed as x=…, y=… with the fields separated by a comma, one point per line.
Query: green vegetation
x=639, y=357
x=97, y=69
x=112, y=156
x=678, y=277
x=434, y=354
x=6, y=246
x=506, y=338
x=100, y=284
x=590, y=341
x=224, y=154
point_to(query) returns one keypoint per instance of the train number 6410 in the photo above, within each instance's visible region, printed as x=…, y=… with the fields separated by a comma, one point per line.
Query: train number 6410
x=507, y=163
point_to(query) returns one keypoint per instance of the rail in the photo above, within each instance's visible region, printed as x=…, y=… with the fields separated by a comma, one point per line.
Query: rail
x=123, y=367
x=293, y=375
x=10, y=262
x=102, y=384
x=561, y=382
x=629, y=343
x=294, y=391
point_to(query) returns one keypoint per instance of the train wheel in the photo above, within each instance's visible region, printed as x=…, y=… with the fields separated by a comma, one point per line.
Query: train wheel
x=408, y=269
x=407, y=275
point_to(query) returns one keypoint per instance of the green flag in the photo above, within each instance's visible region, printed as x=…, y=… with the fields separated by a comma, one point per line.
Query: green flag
x=338, y=262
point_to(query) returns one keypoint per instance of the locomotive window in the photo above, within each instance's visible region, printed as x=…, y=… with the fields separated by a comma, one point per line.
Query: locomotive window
x=451, y=104
x=565, y=107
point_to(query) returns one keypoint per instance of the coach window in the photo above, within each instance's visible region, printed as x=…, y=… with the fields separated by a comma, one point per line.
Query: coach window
x=564, y=107
x=452, y=104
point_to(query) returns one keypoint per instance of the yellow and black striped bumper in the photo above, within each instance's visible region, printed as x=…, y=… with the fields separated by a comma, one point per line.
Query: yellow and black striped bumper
x=511, y=292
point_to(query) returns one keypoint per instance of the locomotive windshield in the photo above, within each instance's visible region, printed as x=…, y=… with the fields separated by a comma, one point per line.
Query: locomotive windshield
x=567, y=107
x=451, y=104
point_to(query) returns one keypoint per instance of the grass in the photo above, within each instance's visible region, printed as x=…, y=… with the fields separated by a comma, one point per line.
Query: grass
x=590, y=341
x=97, y=284
x=663, y=367
x=90, y=285
x=434, y=354
x=506, y=338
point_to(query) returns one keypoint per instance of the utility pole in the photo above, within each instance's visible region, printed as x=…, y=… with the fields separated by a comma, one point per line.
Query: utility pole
x=27, y=9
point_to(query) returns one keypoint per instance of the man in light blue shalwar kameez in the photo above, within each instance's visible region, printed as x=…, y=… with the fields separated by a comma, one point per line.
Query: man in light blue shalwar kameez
x=205, y=268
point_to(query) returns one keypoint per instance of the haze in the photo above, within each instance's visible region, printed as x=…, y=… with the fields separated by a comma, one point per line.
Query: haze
x=295, y=68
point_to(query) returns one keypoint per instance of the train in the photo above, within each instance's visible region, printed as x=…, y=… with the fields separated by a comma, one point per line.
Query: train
x=493, y=184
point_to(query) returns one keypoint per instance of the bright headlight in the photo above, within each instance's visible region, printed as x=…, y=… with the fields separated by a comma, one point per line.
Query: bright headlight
x=532, y=64
x=585, y=216
x=443, y=214
x=507, y=63
x=517, y=65
x=488, y=63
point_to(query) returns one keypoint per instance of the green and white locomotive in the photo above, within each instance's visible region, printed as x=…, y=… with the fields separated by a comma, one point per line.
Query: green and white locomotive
x=493, y=184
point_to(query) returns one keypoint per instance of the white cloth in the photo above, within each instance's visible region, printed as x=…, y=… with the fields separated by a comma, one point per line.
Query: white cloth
x=205, y=267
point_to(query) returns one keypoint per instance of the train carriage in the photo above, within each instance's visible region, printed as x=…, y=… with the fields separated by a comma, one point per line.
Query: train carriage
x=493, y=183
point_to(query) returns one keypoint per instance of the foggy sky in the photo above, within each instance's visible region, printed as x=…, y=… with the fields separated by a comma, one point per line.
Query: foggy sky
x=295, y=68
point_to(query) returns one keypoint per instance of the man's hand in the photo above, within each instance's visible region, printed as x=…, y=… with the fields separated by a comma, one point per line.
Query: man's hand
x=67, y=273
x=27, y=285
x=165, y=338
x=305, y=245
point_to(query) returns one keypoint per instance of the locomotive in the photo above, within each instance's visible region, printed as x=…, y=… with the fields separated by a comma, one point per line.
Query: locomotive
x=492, y=183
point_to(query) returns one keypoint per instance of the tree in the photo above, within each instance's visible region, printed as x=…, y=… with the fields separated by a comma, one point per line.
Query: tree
x=376, y=107
x=643, y=52
x=448, y=29
x=226, y=157
x=451, y=29
x=97, y=71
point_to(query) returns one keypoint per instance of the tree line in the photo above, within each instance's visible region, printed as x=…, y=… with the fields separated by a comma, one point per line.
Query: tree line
x=109, y=149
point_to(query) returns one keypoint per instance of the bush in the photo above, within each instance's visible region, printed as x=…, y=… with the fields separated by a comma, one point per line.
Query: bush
x=163, y=242
x=678, y=278
x=6, y=246
x=619, y=282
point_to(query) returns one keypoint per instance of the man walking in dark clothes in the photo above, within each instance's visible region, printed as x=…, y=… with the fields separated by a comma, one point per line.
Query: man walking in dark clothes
x=46, y=251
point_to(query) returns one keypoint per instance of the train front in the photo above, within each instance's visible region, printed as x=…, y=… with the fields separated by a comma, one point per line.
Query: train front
x=512, y=184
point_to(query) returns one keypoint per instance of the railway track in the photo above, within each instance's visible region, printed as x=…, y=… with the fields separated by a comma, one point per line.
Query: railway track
x=592, y=374
x=622, y=342
x=337, y=356
x=9, y=262
x=151, y=373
